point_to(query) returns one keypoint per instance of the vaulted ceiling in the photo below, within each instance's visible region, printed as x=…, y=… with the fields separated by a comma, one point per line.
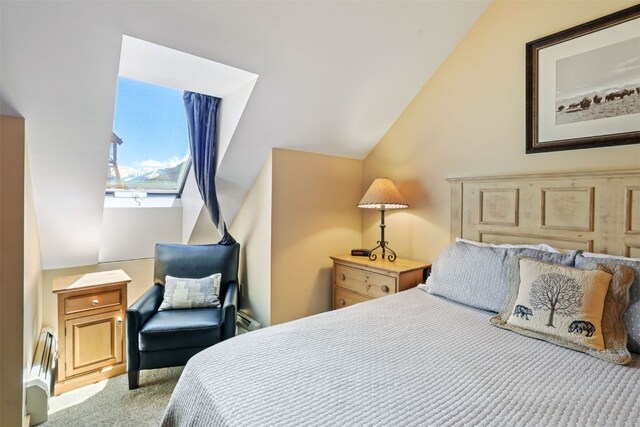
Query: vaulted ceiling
x=333, y=77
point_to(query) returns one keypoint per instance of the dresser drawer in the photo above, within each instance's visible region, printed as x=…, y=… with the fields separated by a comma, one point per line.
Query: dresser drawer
x=344, y=298
x=368, y=283
x=92, y=301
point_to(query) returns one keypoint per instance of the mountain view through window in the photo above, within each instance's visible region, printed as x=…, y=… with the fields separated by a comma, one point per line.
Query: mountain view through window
x=149, y=149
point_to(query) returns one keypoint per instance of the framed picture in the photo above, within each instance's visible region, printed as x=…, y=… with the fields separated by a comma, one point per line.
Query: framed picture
x=583, y=85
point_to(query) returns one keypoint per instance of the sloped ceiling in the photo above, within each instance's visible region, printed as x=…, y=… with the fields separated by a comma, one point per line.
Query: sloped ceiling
x=333, y=77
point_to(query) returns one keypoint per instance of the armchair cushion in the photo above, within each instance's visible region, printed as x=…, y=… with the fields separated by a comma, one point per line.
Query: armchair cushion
x=181, y=293
x=176, y=329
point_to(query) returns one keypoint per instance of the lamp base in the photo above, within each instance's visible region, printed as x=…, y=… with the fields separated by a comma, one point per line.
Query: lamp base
x=391, y=256
x=382, y=244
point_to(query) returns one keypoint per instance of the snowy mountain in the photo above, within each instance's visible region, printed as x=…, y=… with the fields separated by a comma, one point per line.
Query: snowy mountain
x=149, y=178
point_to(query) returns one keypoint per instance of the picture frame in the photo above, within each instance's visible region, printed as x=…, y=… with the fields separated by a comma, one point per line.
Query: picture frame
x=579, y=83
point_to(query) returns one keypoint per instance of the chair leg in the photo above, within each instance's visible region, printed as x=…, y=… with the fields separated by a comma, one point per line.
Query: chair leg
x=134, y=377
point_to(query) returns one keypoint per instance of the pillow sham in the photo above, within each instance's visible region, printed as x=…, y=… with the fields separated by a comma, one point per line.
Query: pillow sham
x=632, y=315
x=180, y=293
x=477, y=276
x=539, y=246
x=576, y=323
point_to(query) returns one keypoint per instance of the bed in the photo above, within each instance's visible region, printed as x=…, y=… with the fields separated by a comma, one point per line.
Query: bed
x=414, y=358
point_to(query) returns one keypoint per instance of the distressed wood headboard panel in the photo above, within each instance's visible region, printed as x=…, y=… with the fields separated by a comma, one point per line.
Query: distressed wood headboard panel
x=593, y=211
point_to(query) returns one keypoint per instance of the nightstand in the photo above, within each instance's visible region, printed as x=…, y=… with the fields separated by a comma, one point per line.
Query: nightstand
x=91, y=316
x=357, y=279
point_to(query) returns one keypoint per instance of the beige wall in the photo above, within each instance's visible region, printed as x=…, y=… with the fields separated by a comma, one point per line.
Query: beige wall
x=314, y=216
x=32, y=273
x=469, y=119
x=12, y=362
x=301, y=210
x=140, y=271
x=252, y=228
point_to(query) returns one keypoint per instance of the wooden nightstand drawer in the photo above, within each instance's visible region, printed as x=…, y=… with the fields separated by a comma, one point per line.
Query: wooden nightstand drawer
x=344, y=298
x=358, y=279
x=364, y=282
x=92, y=301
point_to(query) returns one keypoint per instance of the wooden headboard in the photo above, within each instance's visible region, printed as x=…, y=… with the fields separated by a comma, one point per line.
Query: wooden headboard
x=593, y=211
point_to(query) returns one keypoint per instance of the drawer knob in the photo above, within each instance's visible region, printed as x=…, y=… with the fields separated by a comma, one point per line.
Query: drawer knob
x=95, y=301
x=119, y=319
x=385, y=288
x=343, y=277
x=341, y=301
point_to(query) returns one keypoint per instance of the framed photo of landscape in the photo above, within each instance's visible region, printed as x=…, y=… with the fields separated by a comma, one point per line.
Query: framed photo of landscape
x=583, y=85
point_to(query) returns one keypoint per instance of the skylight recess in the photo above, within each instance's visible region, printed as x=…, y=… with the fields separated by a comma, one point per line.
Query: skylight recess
x=149, y=150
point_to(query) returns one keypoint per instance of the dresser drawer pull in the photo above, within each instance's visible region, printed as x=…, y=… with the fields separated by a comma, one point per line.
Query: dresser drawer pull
x=341, y=301
x=95, y=301
x=119, y=319
x=384, y=288
x=343, y=277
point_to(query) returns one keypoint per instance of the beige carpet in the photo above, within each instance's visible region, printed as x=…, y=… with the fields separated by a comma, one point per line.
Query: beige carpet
x=110, y=403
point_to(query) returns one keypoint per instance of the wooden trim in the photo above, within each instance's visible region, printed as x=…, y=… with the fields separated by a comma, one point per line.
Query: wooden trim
x=628, y=210
x=12, y=151
x=516, y=212
x=543, y=205
x=599, y=217
x=456, y=209
x=553, y=175
x=628, y=247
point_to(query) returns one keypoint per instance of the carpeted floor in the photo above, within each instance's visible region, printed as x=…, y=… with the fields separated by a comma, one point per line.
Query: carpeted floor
x=110, y=403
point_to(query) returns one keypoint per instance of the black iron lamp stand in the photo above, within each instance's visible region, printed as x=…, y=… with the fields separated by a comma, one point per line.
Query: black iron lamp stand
x=382, y=244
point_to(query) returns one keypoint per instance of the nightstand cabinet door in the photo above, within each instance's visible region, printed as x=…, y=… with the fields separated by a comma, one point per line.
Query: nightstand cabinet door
x=93, y=342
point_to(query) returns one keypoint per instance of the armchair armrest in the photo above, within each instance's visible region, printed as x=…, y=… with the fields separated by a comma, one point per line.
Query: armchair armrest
x=229, y=310
x=137, y=315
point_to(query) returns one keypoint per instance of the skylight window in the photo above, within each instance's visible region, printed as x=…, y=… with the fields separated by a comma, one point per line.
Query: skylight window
x=149, y=150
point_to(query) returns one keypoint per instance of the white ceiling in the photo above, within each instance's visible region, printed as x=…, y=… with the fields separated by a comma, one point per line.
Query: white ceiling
x=334, y=76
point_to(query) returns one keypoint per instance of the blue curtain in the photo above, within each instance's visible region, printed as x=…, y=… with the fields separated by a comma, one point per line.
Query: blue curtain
x=202, y=121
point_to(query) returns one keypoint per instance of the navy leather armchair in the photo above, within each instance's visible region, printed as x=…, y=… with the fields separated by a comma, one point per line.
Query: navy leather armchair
x=160, y=339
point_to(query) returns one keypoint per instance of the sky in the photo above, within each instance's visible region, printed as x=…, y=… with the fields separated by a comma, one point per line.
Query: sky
x=151, y=122
x=605, y=68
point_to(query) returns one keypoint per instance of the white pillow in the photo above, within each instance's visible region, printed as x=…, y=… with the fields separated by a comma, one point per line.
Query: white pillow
x=539, y=246
x=619, y=257
x=182, y=293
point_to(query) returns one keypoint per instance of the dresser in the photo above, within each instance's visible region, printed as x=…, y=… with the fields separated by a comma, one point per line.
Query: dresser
x=357, y=279
x=91, y=325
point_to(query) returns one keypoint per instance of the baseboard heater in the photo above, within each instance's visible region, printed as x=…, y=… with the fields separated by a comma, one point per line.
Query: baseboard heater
x=40, y=383
x=246, y=324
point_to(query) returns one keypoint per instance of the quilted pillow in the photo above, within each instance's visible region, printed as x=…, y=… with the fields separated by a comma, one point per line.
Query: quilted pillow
x=580, y=309
x=191, y=293
x=478, y=276
x=538, y=246
x=632, y=315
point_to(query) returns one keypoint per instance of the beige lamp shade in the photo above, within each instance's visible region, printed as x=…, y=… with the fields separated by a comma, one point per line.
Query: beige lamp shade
x=382, y=194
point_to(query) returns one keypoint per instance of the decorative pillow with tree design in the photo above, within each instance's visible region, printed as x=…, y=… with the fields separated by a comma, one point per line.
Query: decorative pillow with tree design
x=561, y=301
x=566, y=306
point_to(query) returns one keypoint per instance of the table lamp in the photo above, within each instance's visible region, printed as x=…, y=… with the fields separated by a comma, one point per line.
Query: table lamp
x=383, y=195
